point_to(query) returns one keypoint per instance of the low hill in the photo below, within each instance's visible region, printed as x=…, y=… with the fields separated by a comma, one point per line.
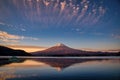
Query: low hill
x=5, y=51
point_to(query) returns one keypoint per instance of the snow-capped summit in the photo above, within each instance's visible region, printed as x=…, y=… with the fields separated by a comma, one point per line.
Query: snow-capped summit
x=60, y=44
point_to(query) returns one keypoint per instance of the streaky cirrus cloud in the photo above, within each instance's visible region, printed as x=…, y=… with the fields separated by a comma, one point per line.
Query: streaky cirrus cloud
x=10, y=38
x=50, y=13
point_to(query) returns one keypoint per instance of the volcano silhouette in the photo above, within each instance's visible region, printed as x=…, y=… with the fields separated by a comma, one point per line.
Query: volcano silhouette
x=63, y=50
x=59, y=49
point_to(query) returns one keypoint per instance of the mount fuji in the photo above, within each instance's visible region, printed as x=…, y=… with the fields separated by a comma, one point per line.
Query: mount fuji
x=59, y=49
x=63, y=50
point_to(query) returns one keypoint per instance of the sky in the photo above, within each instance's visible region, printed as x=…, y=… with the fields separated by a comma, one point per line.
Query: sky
x=80, y=24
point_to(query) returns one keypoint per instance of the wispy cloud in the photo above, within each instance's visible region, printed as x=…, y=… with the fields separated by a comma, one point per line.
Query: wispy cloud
x=56, y=12
x=5, y=24
x=113, y=50
x=10, y=38
x=14, y=27
x=1, y=23
x=103, y=50
x=5, y=37
x=98, y=33
x=116, y=36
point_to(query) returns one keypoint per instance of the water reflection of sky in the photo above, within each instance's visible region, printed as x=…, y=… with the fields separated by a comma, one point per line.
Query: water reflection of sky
x=32, y=69
x=28, y=63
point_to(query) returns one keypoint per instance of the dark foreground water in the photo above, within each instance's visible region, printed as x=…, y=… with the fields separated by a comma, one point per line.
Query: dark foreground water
x=86, y=68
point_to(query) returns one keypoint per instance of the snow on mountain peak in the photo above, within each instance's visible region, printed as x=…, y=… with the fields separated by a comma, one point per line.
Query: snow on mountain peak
x=60, y=44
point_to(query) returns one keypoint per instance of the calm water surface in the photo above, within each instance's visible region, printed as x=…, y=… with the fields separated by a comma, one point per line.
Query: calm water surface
x=95, y=68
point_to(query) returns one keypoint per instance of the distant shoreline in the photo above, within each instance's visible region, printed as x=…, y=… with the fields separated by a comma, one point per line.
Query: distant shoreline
x=81, y=57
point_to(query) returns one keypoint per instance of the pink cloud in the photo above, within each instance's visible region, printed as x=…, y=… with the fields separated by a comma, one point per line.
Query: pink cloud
x=10, y=38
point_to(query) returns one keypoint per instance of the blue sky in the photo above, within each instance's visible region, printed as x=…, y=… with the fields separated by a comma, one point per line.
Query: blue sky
x=91, y=24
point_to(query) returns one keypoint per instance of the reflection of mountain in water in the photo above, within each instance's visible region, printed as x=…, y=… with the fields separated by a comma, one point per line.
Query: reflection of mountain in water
x=58, y=63
x=62, y=63
x=40, y=73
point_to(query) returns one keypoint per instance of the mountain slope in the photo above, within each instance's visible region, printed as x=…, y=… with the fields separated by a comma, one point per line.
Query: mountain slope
x=63, y=50
x=59, y=49
x=5, y=51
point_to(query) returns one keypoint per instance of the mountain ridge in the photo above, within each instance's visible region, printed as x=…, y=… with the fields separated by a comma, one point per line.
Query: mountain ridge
x=58, y=49
x=63, y=50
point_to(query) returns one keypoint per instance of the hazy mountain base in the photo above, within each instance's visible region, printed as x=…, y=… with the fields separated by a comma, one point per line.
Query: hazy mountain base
x=81, y=54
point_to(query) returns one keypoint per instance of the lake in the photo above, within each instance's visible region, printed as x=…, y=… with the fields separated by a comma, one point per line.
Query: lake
x=61, y=68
